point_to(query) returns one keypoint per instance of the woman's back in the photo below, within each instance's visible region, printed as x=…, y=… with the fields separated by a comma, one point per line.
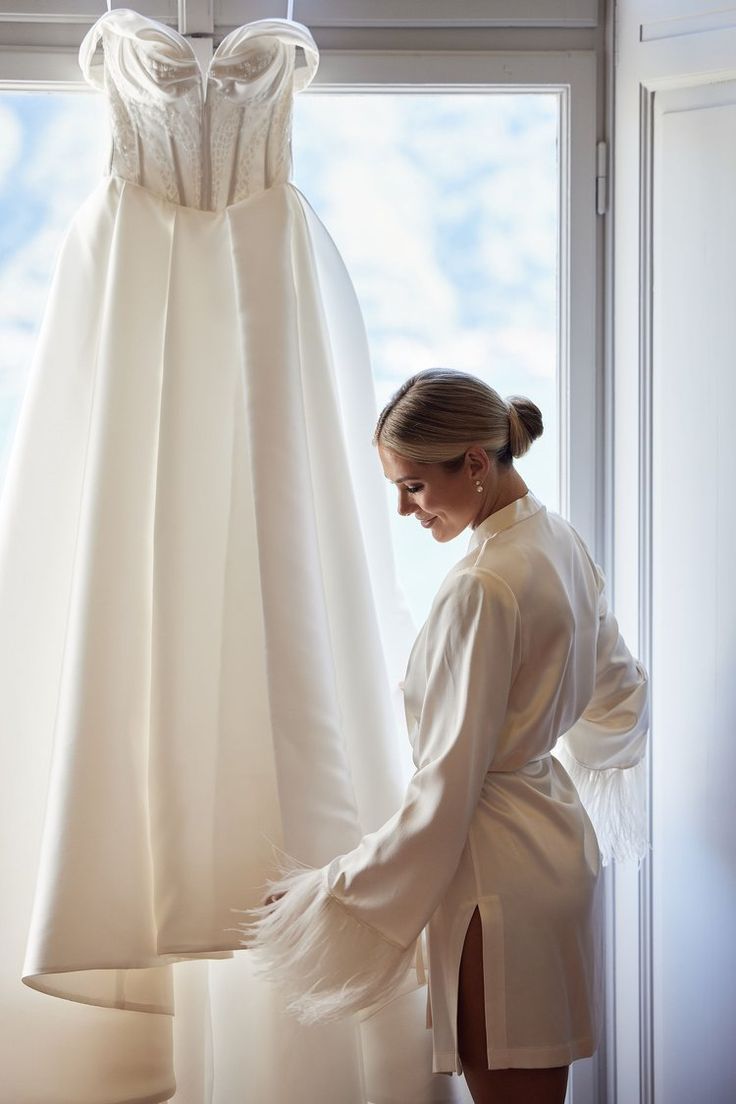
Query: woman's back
x=534, y=558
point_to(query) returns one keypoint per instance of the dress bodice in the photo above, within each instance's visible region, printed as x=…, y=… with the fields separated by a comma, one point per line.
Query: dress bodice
x=203, y=139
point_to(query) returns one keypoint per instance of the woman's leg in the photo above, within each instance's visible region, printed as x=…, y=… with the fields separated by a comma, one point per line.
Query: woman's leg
x=504, y=1086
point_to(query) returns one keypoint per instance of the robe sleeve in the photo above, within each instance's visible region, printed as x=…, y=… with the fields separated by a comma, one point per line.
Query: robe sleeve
x=343, y=936
x=604, y=750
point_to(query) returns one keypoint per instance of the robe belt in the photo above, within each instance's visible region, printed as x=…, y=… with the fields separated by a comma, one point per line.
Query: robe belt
x=515, y=770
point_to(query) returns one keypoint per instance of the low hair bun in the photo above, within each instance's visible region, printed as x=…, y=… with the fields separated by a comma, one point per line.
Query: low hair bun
x=525, y=423
x=438, y=413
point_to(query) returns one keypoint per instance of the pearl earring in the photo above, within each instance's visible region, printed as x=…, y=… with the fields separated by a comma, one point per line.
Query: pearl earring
x=479, y=486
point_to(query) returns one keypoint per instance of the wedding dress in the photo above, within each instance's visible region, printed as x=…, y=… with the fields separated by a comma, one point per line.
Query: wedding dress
x=193, y=523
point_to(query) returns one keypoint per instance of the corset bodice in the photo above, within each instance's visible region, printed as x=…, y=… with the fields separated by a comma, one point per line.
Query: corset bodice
x=204, y=139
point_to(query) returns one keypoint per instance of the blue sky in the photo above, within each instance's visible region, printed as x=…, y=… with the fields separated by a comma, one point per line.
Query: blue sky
x=444, y=207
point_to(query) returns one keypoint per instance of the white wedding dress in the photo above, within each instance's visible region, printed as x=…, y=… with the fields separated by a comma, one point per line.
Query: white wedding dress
x=192, y=525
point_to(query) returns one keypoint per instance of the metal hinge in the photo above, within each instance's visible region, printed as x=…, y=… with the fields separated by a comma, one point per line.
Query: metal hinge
x=601, y=178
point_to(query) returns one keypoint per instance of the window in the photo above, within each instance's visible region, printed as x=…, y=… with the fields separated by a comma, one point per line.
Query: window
x=445, y=206
x=51, y=150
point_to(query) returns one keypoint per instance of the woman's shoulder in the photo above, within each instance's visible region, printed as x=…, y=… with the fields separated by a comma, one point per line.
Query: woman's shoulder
x=528, y=556
x=471, y=589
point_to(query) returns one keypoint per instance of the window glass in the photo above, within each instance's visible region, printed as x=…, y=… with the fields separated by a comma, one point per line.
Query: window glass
x=445, y=209
x=52, y=151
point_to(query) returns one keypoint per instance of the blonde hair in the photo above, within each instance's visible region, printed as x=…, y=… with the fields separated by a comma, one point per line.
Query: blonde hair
x=438, y=413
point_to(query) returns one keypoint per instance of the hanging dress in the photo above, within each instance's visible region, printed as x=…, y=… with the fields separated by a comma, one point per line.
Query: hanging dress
x=191, y=486
x=519, y=668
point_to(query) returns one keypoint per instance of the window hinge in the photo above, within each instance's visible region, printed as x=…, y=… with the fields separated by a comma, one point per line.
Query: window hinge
x=601, y=178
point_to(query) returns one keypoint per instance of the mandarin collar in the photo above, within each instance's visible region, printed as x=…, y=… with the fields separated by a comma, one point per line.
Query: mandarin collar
x=507, y=516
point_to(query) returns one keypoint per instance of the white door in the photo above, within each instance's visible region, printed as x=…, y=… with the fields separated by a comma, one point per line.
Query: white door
x=675, y=385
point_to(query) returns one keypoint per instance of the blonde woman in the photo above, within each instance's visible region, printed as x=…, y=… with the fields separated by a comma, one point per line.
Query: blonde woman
x=492, y=854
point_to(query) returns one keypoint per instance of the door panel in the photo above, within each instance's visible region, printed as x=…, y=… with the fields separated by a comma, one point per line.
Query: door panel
x=694, y=593
x=674, y=386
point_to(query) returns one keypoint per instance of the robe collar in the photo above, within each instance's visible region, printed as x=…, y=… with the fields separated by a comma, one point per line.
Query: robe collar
x=504, y=518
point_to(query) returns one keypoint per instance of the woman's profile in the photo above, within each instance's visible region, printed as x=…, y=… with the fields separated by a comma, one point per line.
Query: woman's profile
x=492, y=858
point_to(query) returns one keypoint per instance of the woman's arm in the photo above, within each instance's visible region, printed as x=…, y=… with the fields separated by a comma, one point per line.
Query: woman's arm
x=342, y=937
x=603, y=751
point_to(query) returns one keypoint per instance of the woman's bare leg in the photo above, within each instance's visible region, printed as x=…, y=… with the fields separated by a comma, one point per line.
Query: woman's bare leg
x=504, y=1086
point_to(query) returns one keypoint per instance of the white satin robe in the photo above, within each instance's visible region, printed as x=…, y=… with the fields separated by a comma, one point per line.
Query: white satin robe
x=520, y=655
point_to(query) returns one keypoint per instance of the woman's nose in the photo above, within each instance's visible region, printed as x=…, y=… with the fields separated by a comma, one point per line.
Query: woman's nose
x=406, y=506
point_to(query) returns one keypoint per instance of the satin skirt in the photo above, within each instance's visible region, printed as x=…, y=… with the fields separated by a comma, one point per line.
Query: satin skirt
x=192, y=525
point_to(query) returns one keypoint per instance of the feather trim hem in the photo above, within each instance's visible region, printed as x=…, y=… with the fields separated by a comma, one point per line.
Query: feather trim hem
x=615, y=801
x=327, y=962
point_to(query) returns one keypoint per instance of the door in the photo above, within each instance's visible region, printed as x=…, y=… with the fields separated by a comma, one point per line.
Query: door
x=675, y=386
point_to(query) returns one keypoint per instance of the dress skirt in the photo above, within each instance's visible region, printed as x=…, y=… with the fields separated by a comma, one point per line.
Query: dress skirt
x=179, y=509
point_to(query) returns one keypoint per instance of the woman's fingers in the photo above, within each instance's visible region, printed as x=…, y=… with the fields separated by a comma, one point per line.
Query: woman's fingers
x=273, y=898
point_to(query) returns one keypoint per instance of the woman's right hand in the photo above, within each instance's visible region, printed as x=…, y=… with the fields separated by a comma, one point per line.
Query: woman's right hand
x=275, y=897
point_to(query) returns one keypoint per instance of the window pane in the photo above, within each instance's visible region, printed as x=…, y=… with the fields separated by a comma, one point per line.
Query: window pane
x=444, y=207
x=52, y=148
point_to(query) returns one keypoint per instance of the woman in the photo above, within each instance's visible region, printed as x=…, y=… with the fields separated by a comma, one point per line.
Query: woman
x=492, y=853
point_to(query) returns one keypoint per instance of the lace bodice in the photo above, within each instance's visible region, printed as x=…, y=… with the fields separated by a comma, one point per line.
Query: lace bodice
x=200, y=139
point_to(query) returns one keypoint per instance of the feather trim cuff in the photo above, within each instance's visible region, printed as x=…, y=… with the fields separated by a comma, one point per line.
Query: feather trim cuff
x=615, y=801
x=325, y=960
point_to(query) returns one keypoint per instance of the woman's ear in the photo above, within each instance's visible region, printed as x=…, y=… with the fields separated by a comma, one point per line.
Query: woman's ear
x=479, y=462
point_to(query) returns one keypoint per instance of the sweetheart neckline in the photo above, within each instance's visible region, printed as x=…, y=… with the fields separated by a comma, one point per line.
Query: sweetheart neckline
x=176, y=35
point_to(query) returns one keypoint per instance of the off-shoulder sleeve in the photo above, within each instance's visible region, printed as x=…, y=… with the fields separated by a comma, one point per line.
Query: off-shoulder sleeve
x=604, y=750
x=344, y=936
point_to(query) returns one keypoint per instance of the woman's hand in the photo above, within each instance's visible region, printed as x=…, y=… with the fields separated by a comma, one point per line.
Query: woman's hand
x=275, y=897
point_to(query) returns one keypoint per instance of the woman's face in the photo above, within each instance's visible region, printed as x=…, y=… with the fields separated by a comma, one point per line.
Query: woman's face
x=443, y=502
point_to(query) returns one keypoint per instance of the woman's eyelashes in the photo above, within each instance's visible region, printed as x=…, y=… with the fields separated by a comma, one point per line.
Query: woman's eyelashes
x=413, y=490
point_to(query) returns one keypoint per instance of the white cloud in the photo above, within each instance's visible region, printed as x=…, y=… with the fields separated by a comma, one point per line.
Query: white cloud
x=373, y=199
x=444, y=207
x=61, y=163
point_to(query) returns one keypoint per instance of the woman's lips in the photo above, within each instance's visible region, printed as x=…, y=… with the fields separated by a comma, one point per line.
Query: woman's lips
x=428, y=522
